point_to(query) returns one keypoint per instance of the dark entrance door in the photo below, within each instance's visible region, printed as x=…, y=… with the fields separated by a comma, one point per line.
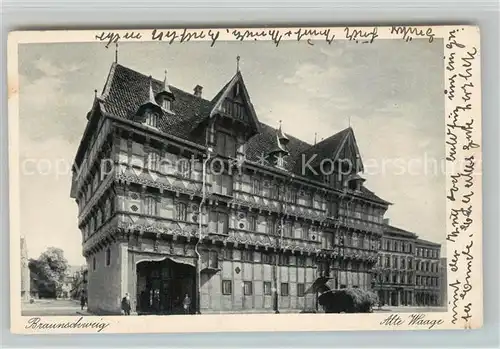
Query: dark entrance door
x=162, y=287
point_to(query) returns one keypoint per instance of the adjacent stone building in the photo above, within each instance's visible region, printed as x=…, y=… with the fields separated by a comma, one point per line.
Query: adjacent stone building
x=396, y=266
x=408, y=272
x=181, y=195
x=428, y=274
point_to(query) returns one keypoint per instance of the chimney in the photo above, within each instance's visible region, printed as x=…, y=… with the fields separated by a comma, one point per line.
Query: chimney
x=197, y=90
x=386, y=221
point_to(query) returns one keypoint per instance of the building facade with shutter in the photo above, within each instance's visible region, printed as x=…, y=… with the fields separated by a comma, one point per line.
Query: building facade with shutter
x=181, y=195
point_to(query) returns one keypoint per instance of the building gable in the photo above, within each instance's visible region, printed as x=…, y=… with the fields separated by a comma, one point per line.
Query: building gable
x=234, y=101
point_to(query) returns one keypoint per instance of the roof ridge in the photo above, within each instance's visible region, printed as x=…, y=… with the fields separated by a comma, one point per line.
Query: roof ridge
x=157, y=81
x=333, y=135
x=114, y=65
x=288, y=134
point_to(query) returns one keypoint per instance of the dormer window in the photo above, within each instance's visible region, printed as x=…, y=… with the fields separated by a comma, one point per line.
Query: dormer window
x=151, y=119
x=166, y=104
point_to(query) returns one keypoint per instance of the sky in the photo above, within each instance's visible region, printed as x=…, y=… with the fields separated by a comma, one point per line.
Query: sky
x=390, y=92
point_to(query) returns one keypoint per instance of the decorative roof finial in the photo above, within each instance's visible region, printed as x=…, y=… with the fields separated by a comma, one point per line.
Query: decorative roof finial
x=166, y=88
x=315, y=135
x=283, y=139
x=238, y=63
x=95, y=93
x=116, y=53
x=151, y=98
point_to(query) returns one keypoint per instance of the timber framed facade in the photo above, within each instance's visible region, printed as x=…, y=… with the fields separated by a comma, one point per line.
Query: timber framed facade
x=179, y=195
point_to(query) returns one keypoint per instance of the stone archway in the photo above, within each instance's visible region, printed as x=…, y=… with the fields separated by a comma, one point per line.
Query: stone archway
x=162, y=284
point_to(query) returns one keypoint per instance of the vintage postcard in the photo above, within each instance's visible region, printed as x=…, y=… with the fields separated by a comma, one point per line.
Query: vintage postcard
x=214, y=180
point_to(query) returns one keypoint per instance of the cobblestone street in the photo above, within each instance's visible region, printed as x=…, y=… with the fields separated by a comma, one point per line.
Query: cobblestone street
x=48, y=307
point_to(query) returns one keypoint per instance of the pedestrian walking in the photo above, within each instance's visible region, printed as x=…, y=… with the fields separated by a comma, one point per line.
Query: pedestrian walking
x=126, y=304
x=83, y=300
x=186, y=304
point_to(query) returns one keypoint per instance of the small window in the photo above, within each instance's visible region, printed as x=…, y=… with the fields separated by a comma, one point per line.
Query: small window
x=301, y=289
x=218, y=222
x=153, y=161
x=183, y=168
x=267, y=288
x=248, y=256
x=228, y=254
x=151, y=119
x=284, y=259
x=181, y=211
x=268, y=258
x=167, y=104
x=213, y=261
x=252, y=223
x=93, y=263
x=256, y=187
x=226, y=287
x=150, y=206
x=108, y=256
x=247, y=288
x=284, y=289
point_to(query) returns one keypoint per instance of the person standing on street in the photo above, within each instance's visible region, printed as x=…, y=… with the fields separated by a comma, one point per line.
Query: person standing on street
x=126, y=304
x=186, y=304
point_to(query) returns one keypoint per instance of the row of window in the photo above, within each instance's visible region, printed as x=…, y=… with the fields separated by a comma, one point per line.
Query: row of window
x=210, y=259
x=397, y=262
x=407, y=263
x=235, y=109
x=427, y=253
x=363, y=212
x=398, y=246
x=427, y=266
x=398, y=277
x=227, y=288
x=356, y=240
x=101, y=216
x=181, y=167
x=223, y=183
x=427, y=281
x=343, y=265
x=90, y=188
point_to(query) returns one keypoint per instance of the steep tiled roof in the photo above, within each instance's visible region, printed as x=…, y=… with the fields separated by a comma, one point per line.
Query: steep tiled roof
x=263, y=142
x=392, y=229
x=427, y=242
x=126, y=90
x=326, y=148
x=371, y=195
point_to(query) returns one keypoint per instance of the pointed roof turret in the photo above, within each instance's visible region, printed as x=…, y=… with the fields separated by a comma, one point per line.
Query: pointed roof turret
x=165, y=90
x=278, y=151
x=278, y=147
x=150, y=102
x=282, y=137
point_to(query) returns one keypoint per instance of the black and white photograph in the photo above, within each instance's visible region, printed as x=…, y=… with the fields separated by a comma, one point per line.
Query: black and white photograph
x=171, y=177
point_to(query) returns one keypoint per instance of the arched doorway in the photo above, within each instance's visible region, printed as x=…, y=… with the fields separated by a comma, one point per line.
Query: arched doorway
x=162, y=286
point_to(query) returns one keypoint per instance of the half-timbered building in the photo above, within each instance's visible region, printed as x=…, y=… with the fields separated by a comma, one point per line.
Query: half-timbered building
x=182, y=195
